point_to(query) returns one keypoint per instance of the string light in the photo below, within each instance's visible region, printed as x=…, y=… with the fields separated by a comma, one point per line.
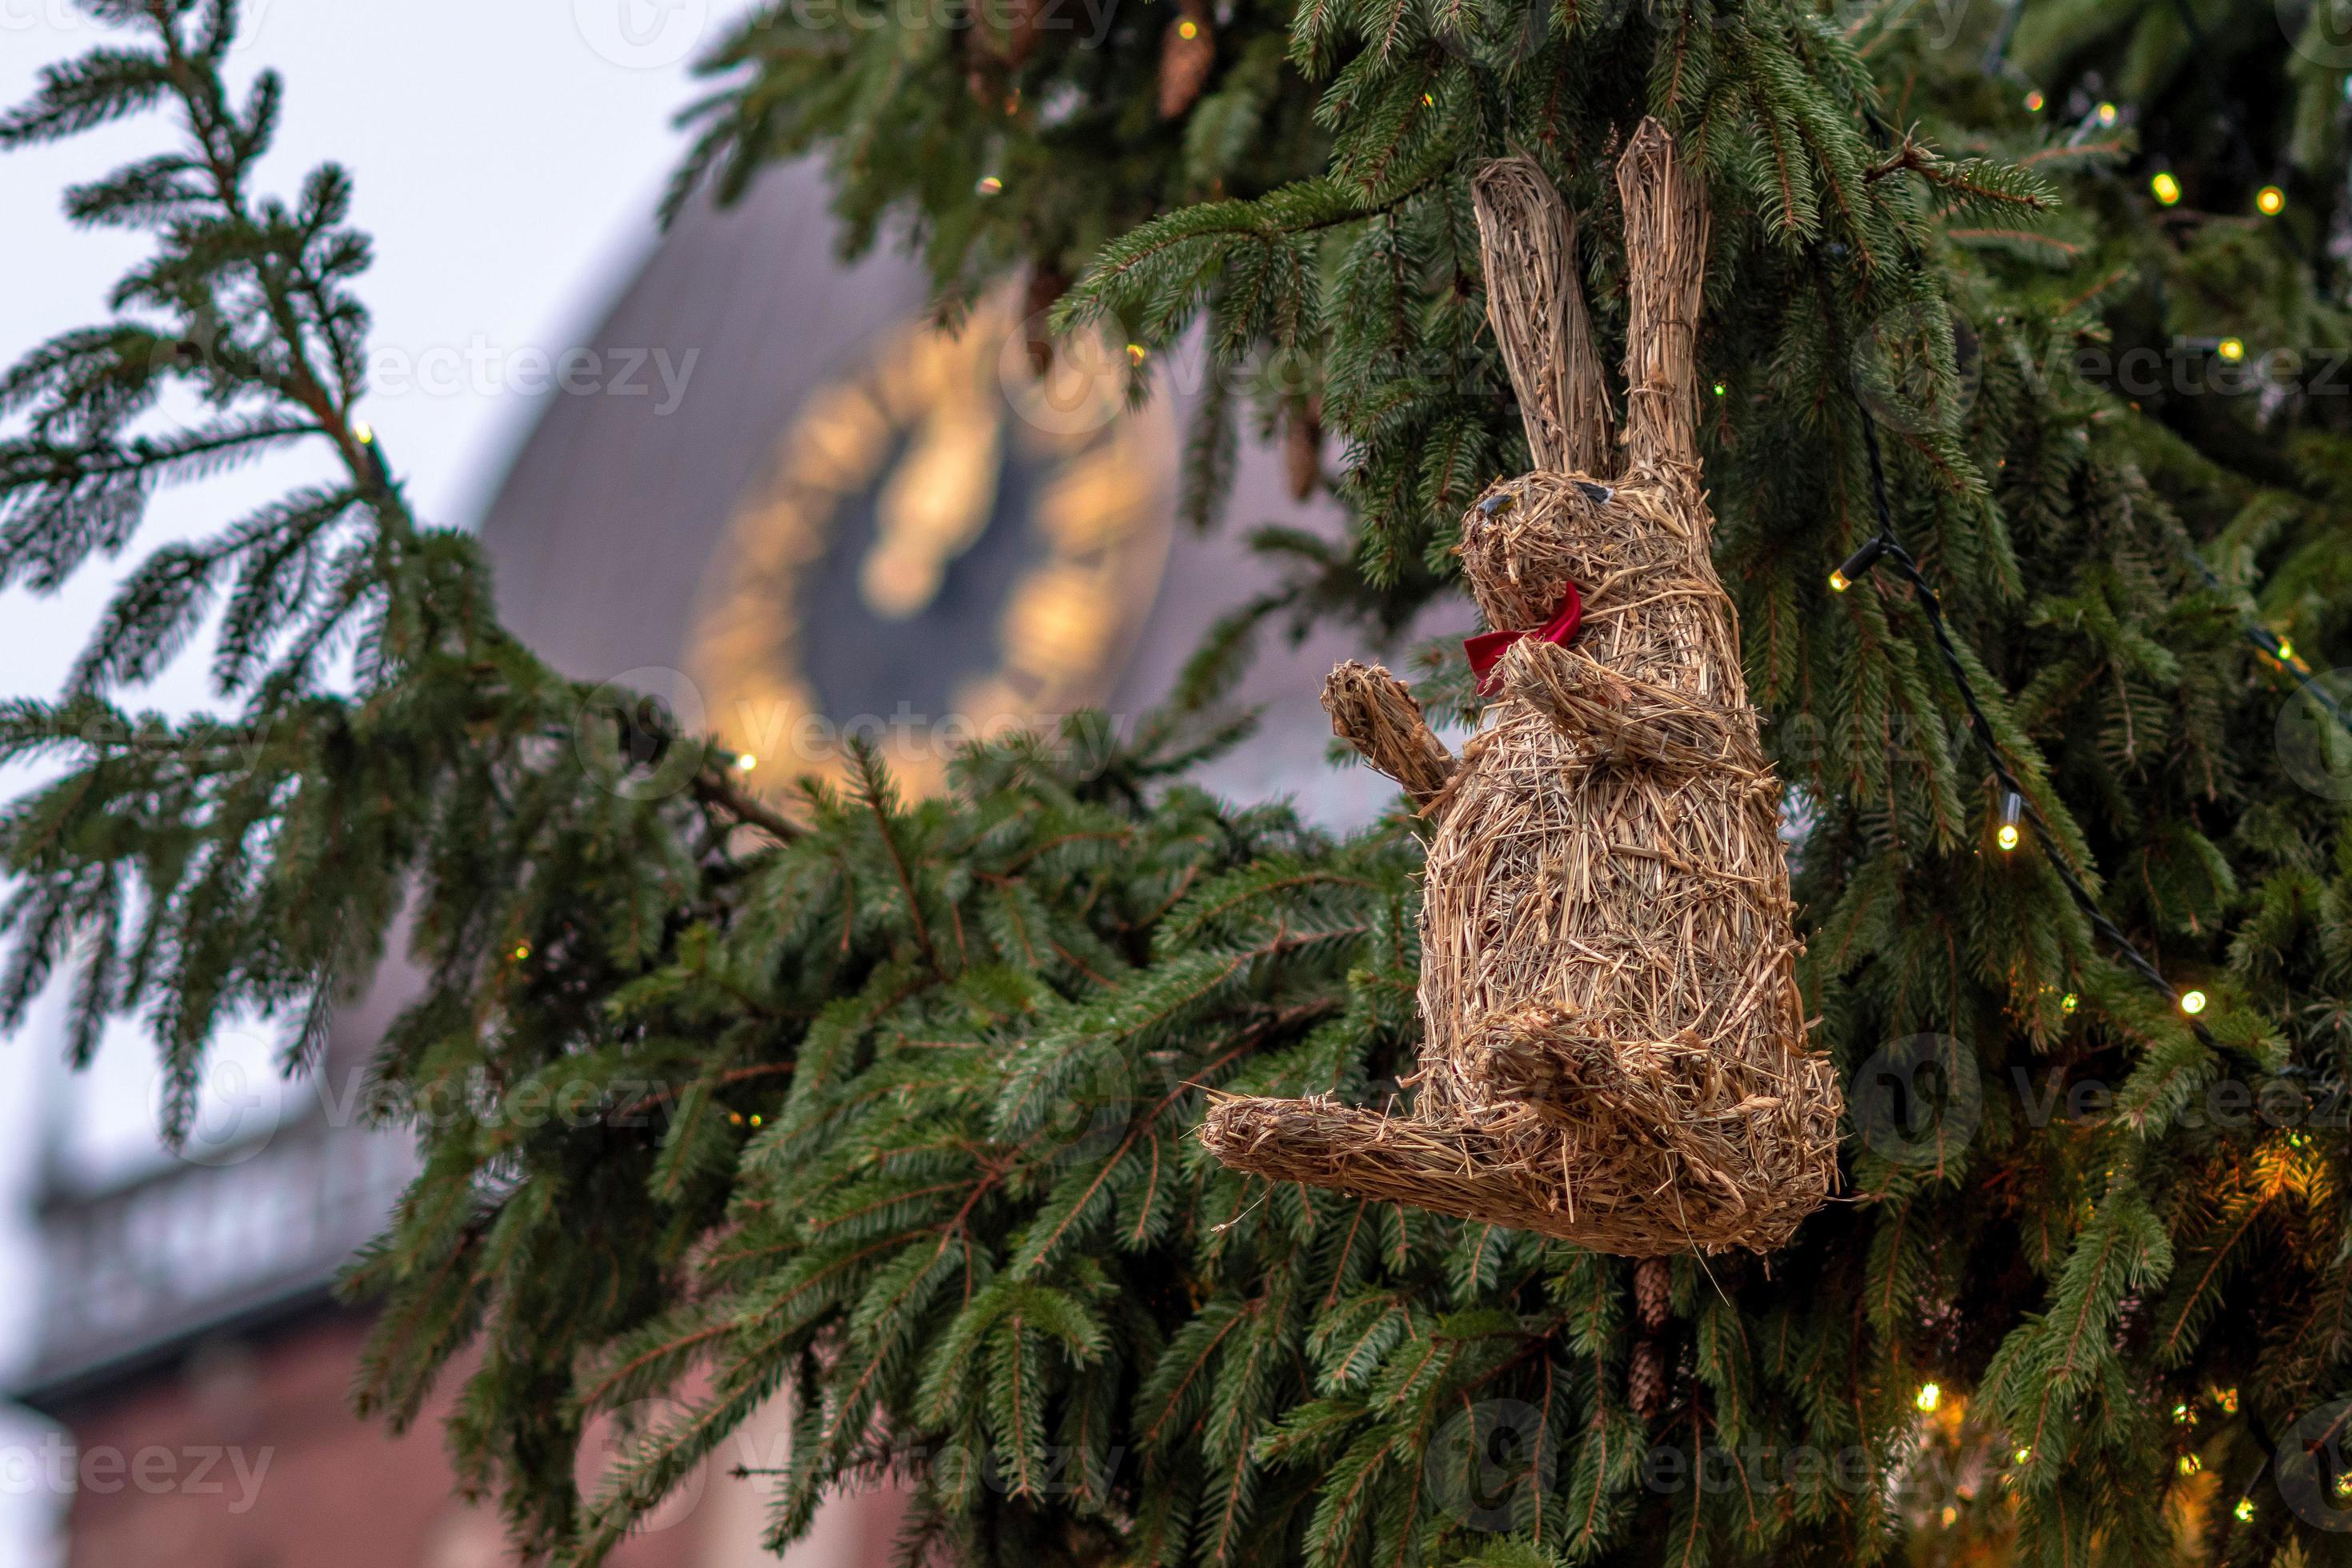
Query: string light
x=2192, y=1003
x=989, y=186
x=746, y=762
x=1135, y=353
x=2277, y=646
x=373, y=451
x=2165, y=186
x=2231, y=350
x=1928, y=1397
x=2012, y=813
x=2069, y=1002
x=1719, y=389
x=2270, y=201
x=2106, y=112
x=1188, y=29
x=2034, y=100
x=2244, y=1511
x=2228, y=1398
x=521, y=952
x=1857, y=564
x=2191, y=1464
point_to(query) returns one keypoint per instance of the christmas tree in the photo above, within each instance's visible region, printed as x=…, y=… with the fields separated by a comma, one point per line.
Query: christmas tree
x=2023, y=321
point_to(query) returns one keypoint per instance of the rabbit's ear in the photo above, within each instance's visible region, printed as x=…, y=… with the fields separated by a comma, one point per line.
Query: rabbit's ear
x=1534, y=301
x=1665, y=259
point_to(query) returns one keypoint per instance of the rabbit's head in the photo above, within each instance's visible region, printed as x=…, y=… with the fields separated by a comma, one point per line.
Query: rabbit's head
x=1525, y=540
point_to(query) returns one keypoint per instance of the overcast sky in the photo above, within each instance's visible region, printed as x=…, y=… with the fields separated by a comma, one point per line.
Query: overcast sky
x=507, y=158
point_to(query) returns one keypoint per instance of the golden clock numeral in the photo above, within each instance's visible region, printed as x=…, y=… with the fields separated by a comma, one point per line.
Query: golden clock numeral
x=1057, y=621
x=1093, y=502
x=840, y=441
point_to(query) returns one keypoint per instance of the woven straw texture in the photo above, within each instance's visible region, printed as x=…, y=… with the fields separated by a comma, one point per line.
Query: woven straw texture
x=1614, y=1048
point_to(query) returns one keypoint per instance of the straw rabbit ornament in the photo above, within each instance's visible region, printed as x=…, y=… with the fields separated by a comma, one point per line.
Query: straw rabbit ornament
x=1614, y=1046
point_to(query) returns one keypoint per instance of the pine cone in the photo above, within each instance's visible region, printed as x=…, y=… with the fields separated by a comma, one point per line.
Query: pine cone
x=1645, y=1381
x=1048, y=284
x=1654, y=1288
x=1019, y=36
x=1186, y=54
x=1302, y=449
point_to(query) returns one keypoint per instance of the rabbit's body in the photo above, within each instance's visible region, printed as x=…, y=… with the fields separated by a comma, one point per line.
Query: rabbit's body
x=1614, y=1046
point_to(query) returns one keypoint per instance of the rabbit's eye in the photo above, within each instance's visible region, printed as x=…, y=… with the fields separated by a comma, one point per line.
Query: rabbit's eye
x=1596, y=494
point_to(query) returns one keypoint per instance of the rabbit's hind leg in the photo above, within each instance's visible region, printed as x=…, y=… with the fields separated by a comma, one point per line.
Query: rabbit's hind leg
x=1501, y=1169
x=1547, y=1057
x=1321, y=1143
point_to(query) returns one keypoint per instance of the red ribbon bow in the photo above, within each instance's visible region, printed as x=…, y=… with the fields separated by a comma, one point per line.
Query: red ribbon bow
x=1485, y=649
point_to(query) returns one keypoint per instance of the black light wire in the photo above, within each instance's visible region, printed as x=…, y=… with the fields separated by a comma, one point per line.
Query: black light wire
x=2272, y=643
x=1884, y=545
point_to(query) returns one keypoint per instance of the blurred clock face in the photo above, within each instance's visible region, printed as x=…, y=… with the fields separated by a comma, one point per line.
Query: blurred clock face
x=944, y=546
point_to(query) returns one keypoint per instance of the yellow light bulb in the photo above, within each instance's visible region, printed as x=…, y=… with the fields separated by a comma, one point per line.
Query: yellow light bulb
x=990, y=184
x=2022, y=1454
x=2285, y=651
x=521, y=952
x=2270, y=201
x=1135, y=353
x=2107, y=113
x=2034, y=100
x=2007, y=837
x=2069, y=1002
x=1838, y=583
x=2244, y=1511
x=365, y=432
x=2189, y=1465
x=1928, y=1397
x=2166, y=188
x=2192, y=1003
x=1719, y=389
x=2231, y=350
x=1188, y=29
x=2229, y=1400
x=746, y=762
